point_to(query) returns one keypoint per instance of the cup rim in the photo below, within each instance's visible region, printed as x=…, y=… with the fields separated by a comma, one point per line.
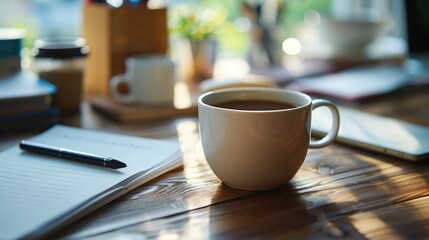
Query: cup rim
x=201, y=101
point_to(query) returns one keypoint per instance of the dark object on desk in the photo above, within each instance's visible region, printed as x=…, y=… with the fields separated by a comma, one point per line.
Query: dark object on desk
x=20, y=91
x=137, y=113
x=417, y=26
x=417, y=31
x=37, y=120
x=10, y=50
x=78, y=156
x=25, y=103
x=61, y=61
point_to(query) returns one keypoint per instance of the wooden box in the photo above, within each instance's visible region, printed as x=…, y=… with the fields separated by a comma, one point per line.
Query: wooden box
x=113, y=34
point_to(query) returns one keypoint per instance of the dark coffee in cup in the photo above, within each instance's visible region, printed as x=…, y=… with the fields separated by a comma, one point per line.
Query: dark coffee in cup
x=255, y=105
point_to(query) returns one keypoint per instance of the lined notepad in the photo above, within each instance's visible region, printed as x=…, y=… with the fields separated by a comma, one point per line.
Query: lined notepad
x=40, y=194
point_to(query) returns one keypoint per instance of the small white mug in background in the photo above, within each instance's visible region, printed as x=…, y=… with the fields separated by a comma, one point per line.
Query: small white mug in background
x=150, y=80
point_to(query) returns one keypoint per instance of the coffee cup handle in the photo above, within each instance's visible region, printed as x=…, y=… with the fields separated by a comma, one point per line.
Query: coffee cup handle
x=332, y=134
x=115, y=92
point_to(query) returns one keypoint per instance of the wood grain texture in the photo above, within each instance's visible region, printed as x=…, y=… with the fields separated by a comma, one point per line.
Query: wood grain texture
x=339, y=192
x=314, y=204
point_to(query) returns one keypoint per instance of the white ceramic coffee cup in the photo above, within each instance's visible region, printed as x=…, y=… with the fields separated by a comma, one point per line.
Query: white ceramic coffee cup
x=259, y=149
x=149, y=78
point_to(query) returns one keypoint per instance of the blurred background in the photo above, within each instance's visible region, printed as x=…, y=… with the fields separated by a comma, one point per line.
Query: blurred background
x=348, y=51
x=221, y=43
x=292, y=25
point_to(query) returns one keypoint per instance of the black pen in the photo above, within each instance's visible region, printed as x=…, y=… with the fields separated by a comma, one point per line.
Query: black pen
x=71, y=154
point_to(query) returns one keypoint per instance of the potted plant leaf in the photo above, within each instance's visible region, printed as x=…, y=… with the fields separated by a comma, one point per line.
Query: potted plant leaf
x=198, y=27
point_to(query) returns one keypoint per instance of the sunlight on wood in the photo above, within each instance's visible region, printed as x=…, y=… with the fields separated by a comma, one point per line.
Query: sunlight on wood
x=188, y=136
x=230, y=68
x=197, y=227
x=168, y=236
x=182, y=96
x=394, y=221
x=193, y=227
x=371, y=224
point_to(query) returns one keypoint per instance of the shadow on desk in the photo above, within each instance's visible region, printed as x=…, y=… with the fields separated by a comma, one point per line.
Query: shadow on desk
x=282, y=210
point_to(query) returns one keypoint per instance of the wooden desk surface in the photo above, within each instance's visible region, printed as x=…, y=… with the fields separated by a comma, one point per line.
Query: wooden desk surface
x=340, y=192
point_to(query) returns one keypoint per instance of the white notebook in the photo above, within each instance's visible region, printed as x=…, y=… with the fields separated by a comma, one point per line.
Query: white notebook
x=40, y=194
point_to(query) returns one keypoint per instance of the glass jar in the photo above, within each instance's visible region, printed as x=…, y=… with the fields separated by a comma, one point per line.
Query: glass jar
x=61, y=61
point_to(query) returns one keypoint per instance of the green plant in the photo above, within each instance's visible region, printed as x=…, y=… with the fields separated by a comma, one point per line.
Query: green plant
x=196, y=23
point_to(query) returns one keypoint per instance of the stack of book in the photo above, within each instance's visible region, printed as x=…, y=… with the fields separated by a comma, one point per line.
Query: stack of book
x=25, y=103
